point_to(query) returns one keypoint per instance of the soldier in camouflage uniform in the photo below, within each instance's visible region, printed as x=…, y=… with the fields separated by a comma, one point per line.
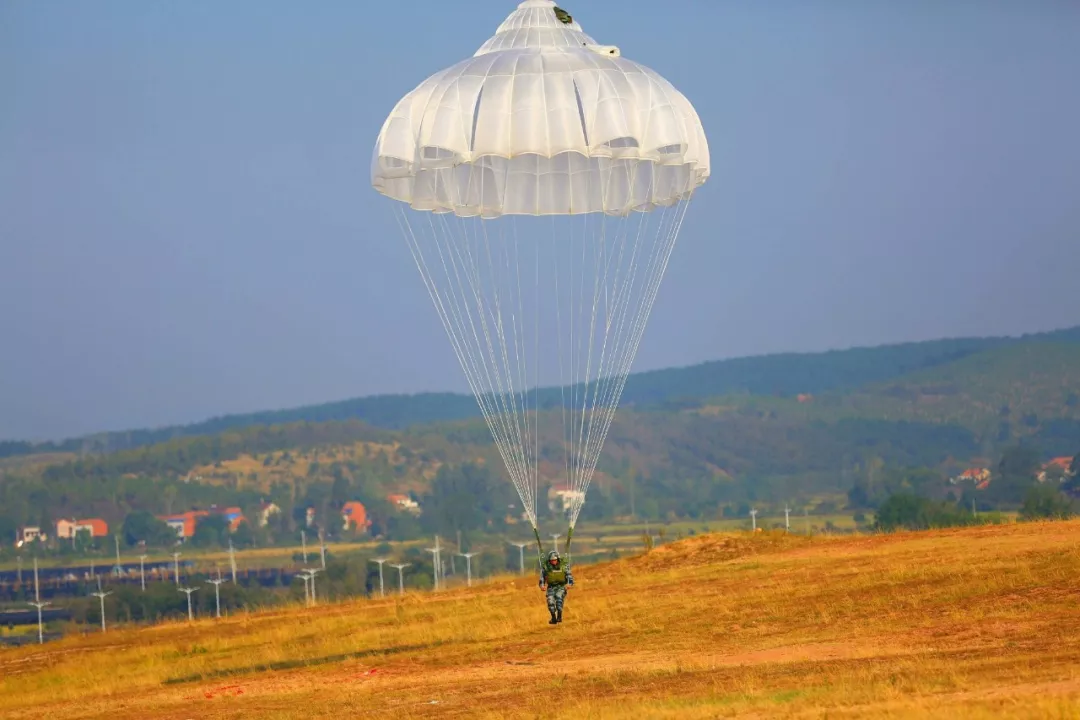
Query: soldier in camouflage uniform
x=556, y=577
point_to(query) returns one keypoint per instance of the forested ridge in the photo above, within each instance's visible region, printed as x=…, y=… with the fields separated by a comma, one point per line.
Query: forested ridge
x=780, y=429
x=779, y=375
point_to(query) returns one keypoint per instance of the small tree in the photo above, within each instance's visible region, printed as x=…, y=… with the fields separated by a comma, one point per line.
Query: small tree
x=244, y=536
x=1014, y=477
x=211, y=531
x=141, y=526
x=1045, y=502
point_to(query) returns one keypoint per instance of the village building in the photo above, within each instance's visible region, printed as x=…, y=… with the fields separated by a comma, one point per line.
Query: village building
x=69, y=529
x=184, y=524
x=266, y=510
x=980, y=477
x=1056, y=469
x=29, y=534
x=563, y=500
x=404, y=502
x=354, y=515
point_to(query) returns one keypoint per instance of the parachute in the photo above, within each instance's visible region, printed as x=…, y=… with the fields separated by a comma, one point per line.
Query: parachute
x=541, y=185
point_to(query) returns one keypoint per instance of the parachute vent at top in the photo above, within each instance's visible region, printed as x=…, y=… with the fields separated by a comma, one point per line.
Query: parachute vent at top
x=544, y=314
x=538, y=122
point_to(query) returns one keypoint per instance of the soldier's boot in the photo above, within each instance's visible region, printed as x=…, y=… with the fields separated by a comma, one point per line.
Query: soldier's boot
x=554, y=617
x=558, y=615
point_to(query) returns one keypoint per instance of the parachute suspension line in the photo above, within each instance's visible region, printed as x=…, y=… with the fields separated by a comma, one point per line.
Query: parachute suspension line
x=582, y=446
x=585, y=461
x=519, y=390
x=536, y=365
x=464, y=263
x=510, y=394
x=668, y=239
x=473, y=336
x=529, y=418
x=559, y=340
x=477, y=284
x=539, y=546
x=501, y=431
x=630, y=311
x=579, y=381
x=608, y=403
x=603, y=376
x=663, y=256
x=578, y=481
x=497, y=355
x=576, y=292
x=586, y=389
x=601, y=406
x=493, y=390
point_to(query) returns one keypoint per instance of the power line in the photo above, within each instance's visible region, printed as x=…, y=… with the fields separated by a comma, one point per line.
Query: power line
x=521, y=555
x=468, y=566
x=188, y=590
x=101, y=596
x=401, y=581
x=382, y=592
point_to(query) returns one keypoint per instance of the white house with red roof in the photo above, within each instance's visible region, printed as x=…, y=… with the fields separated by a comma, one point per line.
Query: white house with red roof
x=1057, y=468
x=980, y=477
x=69, y=529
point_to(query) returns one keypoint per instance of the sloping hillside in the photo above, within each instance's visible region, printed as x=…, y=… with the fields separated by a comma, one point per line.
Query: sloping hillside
x=789, y=374
x=679, y=458
x=701, y=454
x=967, y=623
x=1019, y=384
x=781, y=375
x=1013, y=391
x=252, y=471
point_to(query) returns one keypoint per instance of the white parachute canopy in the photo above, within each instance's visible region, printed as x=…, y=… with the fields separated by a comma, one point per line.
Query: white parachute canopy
x=542, y=184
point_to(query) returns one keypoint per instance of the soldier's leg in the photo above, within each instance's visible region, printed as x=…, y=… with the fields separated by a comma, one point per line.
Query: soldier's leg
x=551, y=603
x=560, y=597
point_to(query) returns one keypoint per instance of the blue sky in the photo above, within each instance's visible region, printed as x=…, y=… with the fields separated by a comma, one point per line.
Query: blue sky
x=187, y=226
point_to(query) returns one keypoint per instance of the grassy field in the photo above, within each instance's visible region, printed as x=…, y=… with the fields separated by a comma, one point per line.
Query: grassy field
x=977, y=622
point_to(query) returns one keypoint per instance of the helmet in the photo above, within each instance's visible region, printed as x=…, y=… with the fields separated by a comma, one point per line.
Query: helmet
x=553, y=558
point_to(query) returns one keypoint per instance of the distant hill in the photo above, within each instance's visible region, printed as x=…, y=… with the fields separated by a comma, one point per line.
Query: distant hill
x=1017, y=387
x=778, y=429
x=778, y=376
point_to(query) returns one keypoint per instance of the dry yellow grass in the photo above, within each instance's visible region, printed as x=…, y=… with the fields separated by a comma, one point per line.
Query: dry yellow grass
x=966, y=623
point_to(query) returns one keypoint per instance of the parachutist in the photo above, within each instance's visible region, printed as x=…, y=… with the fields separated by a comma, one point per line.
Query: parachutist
x=555, y=577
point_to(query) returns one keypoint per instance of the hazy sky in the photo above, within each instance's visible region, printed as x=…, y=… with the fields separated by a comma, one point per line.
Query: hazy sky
x=187, y=226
